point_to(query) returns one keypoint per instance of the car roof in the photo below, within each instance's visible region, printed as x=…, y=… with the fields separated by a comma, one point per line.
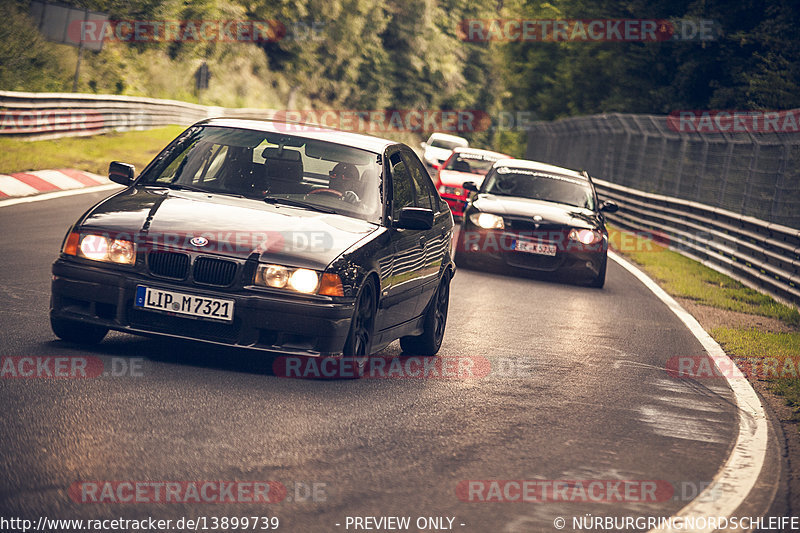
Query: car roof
x=541, y=167
x=478, y=151
x=307, y=131
x=446, y=137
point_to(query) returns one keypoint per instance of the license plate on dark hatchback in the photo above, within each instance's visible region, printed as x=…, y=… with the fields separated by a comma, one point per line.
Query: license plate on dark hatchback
x=540, y=248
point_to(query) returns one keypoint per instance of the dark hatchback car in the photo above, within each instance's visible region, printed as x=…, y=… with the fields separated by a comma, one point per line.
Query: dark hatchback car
x=537, y=217
x=267, y=235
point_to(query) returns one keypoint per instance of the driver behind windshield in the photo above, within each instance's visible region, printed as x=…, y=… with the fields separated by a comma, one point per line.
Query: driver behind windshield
x=344, y=178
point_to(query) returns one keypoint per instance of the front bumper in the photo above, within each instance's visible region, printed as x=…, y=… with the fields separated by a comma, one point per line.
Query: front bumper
x=271, y=322
x=496, y=248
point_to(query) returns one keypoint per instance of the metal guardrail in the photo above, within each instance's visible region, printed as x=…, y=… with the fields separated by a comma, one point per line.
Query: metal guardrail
x=756, y=173
x=52, y=115
x=760, y=254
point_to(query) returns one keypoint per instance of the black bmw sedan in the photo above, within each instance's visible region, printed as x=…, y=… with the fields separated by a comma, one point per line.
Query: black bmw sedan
x=267, y=235
x=537, y=217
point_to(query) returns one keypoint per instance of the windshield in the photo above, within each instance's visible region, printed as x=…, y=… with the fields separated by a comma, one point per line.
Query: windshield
x=269, y=166
x=540, y=186
x=472, y=163
x=448, y=145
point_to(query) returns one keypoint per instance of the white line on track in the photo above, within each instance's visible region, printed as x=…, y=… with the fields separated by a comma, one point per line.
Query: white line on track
x=738, y=475
x=58, y=194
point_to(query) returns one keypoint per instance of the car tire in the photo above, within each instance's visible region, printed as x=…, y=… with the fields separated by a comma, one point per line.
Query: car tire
x=600, y=279
x=434, y=324
x=77, y=332
x=362, y=326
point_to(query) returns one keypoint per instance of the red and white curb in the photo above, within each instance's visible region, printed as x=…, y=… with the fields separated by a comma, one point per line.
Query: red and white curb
x=45, y=181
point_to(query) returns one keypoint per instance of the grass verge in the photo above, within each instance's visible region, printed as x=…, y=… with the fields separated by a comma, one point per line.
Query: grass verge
x=776, y=353
x=92, y=154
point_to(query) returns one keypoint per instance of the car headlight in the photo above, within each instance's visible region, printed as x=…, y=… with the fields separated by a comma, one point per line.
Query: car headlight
x=301, y=280
x=100, y=248
x=585, y=236
x=304, y=280
x=456, y=191
x=487, y=221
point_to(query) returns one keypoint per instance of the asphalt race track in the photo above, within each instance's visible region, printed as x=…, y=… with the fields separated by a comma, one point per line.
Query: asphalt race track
x=577, y=391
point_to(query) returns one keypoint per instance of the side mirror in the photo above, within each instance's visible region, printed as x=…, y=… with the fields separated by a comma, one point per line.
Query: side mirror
x=415, y=218
x=609, y=207
x=437, y=166
x=470, y=186
x=423, y=144
x=121, y=173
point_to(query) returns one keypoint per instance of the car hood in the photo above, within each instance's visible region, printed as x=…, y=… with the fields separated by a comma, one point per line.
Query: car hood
x=453, y=178
x=233, y=227
x=551, y=213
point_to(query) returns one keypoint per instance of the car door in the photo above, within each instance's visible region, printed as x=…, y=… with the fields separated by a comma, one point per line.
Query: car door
x=403, y=286
x=436, y=239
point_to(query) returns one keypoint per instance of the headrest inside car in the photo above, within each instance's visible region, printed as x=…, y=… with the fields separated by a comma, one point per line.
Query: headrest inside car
x=284, y=166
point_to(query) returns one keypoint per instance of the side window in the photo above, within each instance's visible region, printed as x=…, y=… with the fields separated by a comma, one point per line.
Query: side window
x=402, y=186
x=426, y=195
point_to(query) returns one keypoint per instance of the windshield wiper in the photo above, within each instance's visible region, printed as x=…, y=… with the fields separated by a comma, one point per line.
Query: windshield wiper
x=297, y=203
x=180, y=186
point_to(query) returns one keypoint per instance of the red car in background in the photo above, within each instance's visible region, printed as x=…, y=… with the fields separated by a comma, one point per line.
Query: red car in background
x=464, y=164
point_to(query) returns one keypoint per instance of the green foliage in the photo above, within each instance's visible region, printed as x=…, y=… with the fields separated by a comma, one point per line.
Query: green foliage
x=781, y=351
x=753, y=64
x=373, y=55
x=27, y=62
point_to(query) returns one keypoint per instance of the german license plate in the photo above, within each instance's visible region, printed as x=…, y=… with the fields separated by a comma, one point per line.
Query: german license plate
x=540, y=248
x=183, y=304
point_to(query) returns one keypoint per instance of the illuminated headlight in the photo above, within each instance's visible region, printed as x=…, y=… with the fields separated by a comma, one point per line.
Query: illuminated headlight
x=585, y=236
x=487, y=221
x=101, y=248
x=280, y=277
x=304, y=280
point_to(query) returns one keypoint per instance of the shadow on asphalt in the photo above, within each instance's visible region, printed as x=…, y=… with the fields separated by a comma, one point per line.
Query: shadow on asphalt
x=558, y=278
x=185, y=353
